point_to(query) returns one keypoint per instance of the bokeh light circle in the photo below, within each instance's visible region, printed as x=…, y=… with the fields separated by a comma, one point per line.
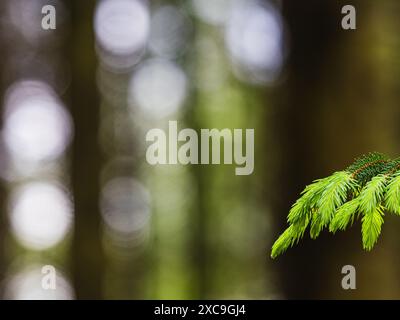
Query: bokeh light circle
x=158, y=87
x=40, y=214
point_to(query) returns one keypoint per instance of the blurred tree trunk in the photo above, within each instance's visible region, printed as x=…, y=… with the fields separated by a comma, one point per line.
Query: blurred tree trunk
x=88, y=258
x=329, y=112
x=3, y=165
x=313, y=31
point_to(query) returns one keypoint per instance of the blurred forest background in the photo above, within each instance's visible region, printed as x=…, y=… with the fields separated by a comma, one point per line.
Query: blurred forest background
x=77, y=193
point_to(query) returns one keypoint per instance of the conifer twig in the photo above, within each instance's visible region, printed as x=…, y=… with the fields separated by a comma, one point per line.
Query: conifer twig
x=367, y=188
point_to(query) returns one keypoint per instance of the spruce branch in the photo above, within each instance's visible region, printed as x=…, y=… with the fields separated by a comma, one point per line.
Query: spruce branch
x=367, y=188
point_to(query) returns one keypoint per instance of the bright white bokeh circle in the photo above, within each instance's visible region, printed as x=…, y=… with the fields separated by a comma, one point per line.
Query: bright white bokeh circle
x=37, y=126
x=40, y=214
x=122, y=26
x=158, y=88
x=254, y=39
